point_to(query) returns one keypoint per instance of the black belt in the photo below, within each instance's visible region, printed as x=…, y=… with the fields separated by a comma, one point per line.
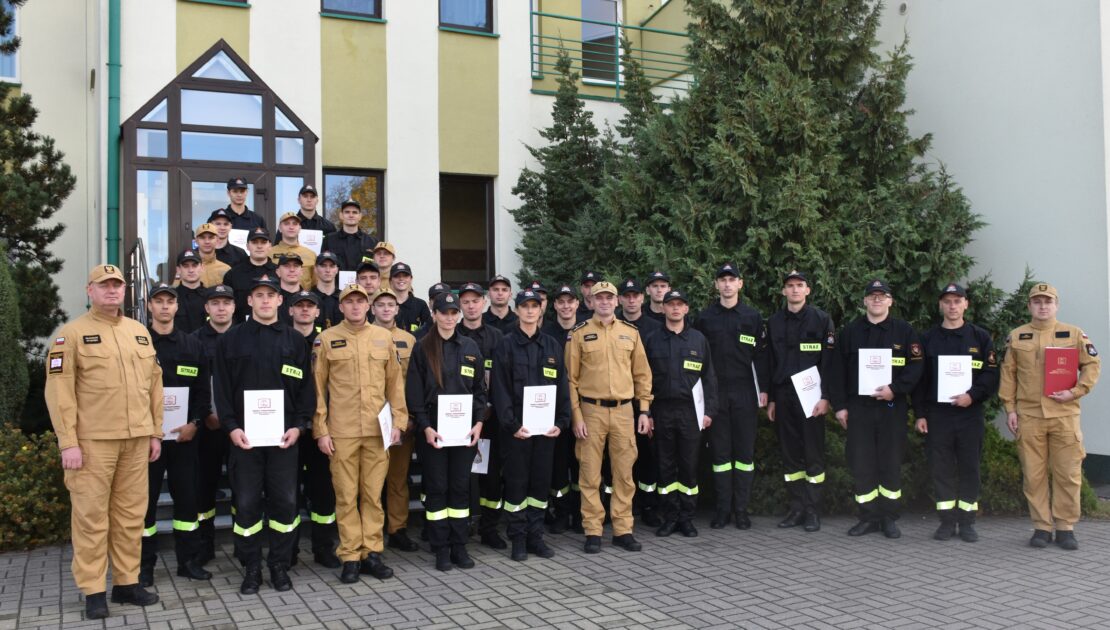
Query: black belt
x=605, y=403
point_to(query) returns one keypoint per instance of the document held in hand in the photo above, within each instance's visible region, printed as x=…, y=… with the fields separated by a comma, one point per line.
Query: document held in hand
x=385, y=421
x=264, y=416
x=454, y=414
x=1061, y=369
x=347, y=277
x=312, y=239
x=953, y=376
x=238, y=238
x=699, y=403
x=874, y=370
x=807, y=385
x=175, y=410
x=481, y=459
x=539, y=409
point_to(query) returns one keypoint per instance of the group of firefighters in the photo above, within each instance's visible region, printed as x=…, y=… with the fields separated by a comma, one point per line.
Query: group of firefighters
x=366, y=373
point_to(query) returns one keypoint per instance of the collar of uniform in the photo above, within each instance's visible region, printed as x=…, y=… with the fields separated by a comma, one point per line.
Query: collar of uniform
x=1039, y=325
x=951, y=332
x=246, y=210
x=302, y=217
x=207, y=259
x=351, y=328
x=107, y=319
x=885, y=324
x=682, y=333
x=522, y=338
x=800, y=314
x=596, y=321
x=277, y=325
x=155, y=336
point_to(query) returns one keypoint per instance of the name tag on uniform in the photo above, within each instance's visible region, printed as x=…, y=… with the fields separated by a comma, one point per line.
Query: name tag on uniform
x=1025, y=336
x=748, y=339
x=401, y=344
x=143, y=341
x=187, y=370
x=91, y=339
x=976, y=365
x=550, y=372
x=489, y=364
x=692, y=365
x=466, y=370
x=289, y=370
x=898, y=361
x=338, y=343
x=810, y=347
x=590, y=337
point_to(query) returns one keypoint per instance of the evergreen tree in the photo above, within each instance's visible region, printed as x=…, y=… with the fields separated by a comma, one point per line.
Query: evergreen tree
x=34, y=181
x=13, y=361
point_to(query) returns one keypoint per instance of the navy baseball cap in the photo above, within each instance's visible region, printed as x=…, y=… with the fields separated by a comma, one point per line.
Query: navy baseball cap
x=236, y=183
x=528, y=295
x=188, y=256
x=472, y=287
x=658, y=276
x=220, y=291
x=728, y=269
x=289, y=258
x=400, y=267
x=162, y=287
x=566, y=289
x=265, y=281
x=308, y=189
x=301, y=296
x=675, y=294
x=795, y=275
x=367, y=263
x=630, y=286
x=219, y=213
x=500, y=278
x=537, y=287
x=326, y=255
x=437, y=289
x=590, y=276
x=953, y=289
x=259, y=234
x=877, y=286
x=445, y=302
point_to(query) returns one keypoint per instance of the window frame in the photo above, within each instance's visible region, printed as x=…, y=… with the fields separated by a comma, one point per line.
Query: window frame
x=15, y=79
x=377, y=14
x=379, y=174
x=488, y=29
x=618, y=73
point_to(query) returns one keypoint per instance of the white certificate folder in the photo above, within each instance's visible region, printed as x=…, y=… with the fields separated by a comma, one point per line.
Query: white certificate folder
x=874, y=370
x=953, y=376
x=175, y=410
x=264, y=416
x=807, y=385
x=539, y=409
x=455, y=412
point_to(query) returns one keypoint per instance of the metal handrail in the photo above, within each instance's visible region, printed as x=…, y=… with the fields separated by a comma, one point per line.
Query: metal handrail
x=138, y=285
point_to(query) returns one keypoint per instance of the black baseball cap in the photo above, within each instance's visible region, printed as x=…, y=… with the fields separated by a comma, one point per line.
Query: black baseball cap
x=400, y=267
x=367, y=264
x=795, y=275
x=259, y=234
x=162, y=287
x=445, y=302
x=350, y=202
x=236, y=182
x=264, y=281
x=301, y=296
x=590, y=276
x=500, y=278
x=438, y=288
x=220, y=291
x=630, y=286
x=326, y=255
x=308, y=189
x=528, y=295
x=566, y=289
x=953, y=289
x=289, y=258
x=188, y=256
x=219, y=213
x=472, y=287
x=728, y=269
x=538, y=287
x=877, y=286
x=675, y=294
x=657, y=276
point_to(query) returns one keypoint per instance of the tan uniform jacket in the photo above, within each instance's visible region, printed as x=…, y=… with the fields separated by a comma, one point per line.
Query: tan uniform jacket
x=103, y=381
x=607, y=363
x=357, y=372
x=308, y=260
x=1022, y=382
x=212, y=271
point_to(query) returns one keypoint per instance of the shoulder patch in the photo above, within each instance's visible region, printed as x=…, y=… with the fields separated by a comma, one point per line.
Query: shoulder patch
x=61, y=341
x=551, y=360
x=1091, y=350
x=915, y=349
x=973, y=350
x=56, y=362
x=470, y=357
x=316, y=342
x=992, y=360
x=339, y=343
x=91, y=339
x=1063, y=334
x=830, y=340
x=1022, y=336
x=143, y=341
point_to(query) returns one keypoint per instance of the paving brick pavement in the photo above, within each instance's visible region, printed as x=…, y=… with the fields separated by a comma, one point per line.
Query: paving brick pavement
x=762, y=578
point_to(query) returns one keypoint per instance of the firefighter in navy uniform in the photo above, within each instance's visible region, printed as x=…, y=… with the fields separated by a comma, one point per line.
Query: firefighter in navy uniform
x=308, y=198
x=327, y=289
x=445, y=362
x=528, y=358
x=679, y=357
x=183, y=366
x=954, y=430
x=412, y=313
x=242, y=217
x=739, y=340
x=567, y=504
x=228, y=254
x=349, y=243
x=264, y=354
x=499, y=315
x=472, y=303
x=658, y=284
x=801, y=336
x=585, y=288
x=877, y=423
x=241, y=277
x=212, y=442
x=190, y=293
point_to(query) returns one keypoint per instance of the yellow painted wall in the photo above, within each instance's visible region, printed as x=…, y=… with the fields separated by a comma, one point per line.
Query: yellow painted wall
x=199, y=26
x=353, y=82
x=661, y=61
x=467, y=104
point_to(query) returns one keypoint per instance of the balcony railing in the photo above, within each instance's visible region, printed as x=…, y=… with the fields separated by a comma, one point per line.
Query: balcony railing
x=594, y=48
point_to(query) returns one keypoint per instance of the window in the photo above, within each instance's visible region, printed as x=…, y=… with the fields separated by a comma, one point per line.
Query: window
x=363, y=8
x=600, y=42
x=9, y=62
x=363, y=186
x=465, y=228
x=472, y=15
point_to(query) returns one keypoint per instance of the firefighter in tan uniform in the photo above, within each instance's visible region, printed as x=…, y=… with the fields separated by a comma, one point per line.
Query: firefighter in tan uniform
x=607, y=368
x=383, y=305
x=1048, y=432
x=212, y=271
x=357, y=373
x=104, y=393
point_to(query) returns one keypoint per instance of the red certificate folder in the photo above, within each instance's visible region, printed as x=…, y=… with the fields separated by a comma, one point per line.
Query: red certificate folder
x=1061, y=367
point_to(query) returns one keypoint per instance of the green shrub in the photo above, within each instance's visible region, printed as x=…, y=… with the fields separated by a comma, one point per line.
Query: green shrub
x=13, y=360
x=34, y=503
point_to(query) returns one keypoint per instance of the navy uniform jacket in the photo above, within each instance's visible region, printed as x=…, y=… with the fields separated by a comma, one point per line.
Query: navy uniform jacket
x=968, y=339
x=240, y=278
x=248, y=221
x=413, y=313
x=184, y=364
x=254, y=356
x=677, y=361
x=521, y=361
x=317, y=222
x=462, y=372
x=504, y=324
x=739, y=341
x=906, y=353
x=330, y=315
x=190, y=308
x=348, y=248
x=799, y=341
x=558, y=333
x=646, y=325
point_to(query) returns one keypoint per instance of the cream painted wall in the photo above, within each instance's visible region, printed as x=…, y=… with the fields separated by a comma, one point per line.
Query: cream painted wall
x=1013, y=91
x=148, y=50
x=288, y=60
x=70, y=113
x=412, y=181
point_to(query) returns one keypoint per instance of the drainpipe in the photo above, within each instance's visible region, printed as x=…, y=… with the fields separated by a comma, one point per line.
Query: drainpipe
x=113, y=131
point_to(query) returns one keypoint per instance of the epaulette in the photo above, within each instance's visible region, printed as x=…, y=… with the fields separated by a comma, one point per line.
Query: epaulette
x=579, y=325
x=629, y=324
